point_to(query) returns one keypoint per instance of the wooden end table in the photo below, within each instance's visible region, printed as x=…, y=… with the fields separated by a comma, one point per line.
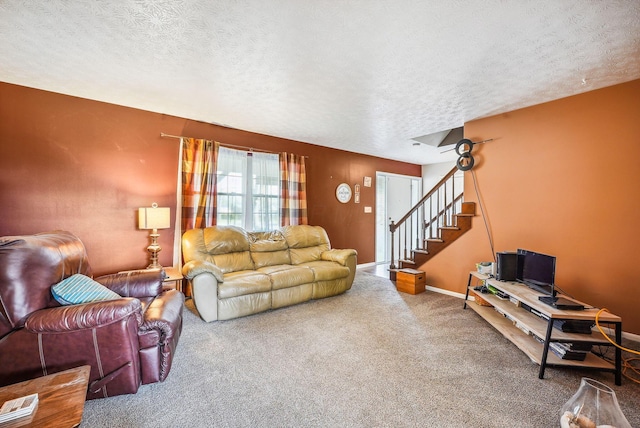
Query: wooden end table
x=61, y=398
x=174, y=278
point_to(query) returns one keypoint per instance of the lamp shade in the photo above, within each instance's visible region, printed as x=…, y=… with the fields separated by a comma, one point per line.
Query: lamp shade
x=154, y=218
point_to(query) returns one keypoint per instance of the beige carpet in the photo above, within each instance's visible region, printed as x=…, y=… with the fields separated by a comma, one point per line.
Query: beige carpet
x=371, y=357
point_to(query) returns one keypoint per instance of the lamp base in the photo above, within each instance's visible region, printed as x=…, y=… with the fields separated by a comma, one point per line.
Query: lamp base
x=153, y=249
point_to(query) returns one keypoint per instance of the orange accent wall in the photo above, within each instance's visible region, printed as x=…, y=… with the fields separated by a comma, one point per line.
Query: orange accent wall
x=85, y=166
x=560, y=178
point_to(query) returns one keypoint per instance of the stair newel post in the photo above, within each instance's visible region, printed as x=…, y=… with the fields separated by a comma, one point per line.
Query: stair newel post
x=392, y=229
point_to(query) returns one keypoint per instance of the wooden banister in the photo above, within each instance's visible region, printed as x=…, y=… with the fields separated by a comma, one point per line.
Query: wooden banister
x=436, y=210
x=431, y=192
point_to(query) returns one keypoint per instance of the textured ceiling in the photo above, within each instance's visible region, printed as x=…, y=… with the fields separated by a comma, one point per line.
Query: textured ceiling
x=360, y=75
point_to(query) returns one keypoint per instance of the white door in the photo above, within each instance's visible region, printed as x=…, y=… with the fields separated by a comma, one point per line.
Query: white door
x=395, y=196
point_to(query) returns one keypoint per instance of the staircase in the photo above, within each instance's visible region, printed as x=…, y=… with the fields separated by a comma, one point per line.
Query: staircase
x=438, y=219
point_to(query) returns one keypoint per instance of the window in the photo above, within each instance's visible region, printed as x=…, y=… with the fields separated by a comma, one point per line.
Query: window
x=248, y=189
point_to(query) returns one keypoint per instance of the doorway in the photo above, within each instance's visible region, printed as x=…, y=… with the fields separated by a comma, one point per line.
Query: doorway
x=395, y=196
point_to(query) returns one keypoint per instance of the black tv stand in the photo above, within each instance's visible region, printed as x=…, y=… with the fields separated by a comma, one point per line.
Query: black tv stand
x=561, y=303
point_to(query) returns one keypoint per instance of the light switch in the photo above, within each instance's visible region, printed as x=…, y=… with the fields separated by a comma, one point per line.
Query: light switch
x=367, y=209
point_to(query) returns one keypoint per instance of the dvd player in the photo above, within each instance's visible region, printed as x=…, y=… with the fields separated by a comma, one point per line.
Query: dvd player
x=561, y=303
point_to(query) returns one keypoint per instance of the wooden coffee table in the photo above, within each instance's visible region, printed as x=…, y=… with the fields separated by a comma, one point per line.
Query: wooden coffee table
x=61, y=399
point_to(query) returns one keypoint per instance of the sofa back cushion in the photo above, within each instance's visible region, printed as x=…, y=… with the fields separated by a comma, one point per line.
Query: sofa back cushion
x=306, y=243
x=225, y=246
x=269, y=249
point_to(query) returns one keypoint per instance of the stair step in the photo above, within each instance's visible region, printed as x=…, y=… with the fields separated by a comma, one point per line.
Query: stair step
x=445, y=236
x=468, y=208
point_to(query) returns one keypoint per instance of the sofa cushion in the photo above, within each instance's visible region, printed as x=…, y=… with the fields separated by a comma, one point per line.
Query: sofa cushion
x=225, y=239
x=225, y=246
x=325, y=271
x=305, y=255
x=285, y=276
x=272, y=258
x=302, y=236
x=79, y=288
x=233, y=262
x=306, y=243
x=291, y=295
x=242, y=283
x=267, y=241
x=269, y=249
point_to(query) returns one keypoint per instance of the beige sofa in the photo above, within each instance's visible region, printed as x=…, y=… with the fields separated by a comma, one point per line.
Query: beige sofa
x=234, y=273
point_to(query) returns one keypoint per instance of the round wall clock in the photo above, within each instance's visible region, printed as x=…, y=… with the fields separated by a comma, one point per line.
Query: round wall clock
x=343, y=192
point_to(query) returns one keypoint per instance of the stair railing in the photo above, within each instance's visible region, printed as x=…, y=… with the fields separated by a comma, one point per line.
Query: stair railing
x=424, y=220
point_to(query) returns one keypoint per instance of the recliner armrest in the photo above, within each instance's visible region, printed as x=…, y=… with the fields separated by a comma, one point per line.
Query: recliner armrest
x=195, y=267
x=164, y=315
x=79, y=317
x=137, y=283
x=338, y=256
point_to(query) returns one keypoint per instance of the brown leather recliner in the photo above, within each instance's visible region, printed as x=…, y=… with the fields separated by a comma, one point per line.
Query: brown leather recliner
x=127, y=342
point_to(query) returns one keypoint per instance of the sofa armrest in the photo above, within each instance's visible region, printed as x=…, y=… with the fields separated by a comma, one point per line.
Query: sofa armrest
x=79, y=317
x=194, y=268
x=164, y=315
x=137, y=283
x=338, y=256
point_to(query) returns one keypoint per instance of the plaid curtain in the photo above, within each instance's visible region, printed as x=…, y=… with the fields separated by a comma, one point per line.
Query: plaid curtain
x=293, y=189
x=199, y=160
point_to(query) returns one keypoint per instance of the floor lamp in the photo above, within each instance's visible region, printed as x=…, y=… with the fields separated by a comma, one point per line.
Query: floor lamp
x=154, y=218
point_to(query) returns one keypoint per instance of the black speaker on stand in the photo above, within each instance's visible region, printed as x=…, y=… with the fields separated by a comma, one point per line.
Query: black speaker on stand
x=507, y=269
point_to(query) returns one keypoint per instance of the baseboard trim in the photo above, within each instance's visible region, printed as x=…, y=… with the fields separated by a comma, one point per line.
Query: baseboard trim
x=631, y=336
x=447, y=292
x=366, y=265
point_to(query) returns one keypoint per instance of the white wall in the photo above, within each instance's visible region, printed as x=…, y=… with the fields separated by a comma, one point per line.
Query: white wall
x=433, y=173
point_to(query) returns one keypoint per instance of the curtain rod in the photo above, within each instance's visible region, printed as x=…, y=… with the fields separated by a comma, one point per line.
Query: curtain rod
x=251, y=149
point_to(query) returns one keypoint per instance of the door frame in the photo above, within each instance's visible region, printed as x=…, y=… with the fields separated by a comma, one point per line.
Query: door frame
x=382, y=234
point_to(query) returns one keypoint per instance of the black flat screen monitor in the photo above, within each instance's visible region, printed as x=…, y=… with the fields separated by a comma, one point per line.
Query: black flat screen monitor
x=537, y=271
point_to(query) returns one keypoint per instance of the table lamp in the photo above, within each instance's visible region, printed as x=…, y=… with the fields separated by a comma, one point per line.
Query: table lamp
x=154, y=218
